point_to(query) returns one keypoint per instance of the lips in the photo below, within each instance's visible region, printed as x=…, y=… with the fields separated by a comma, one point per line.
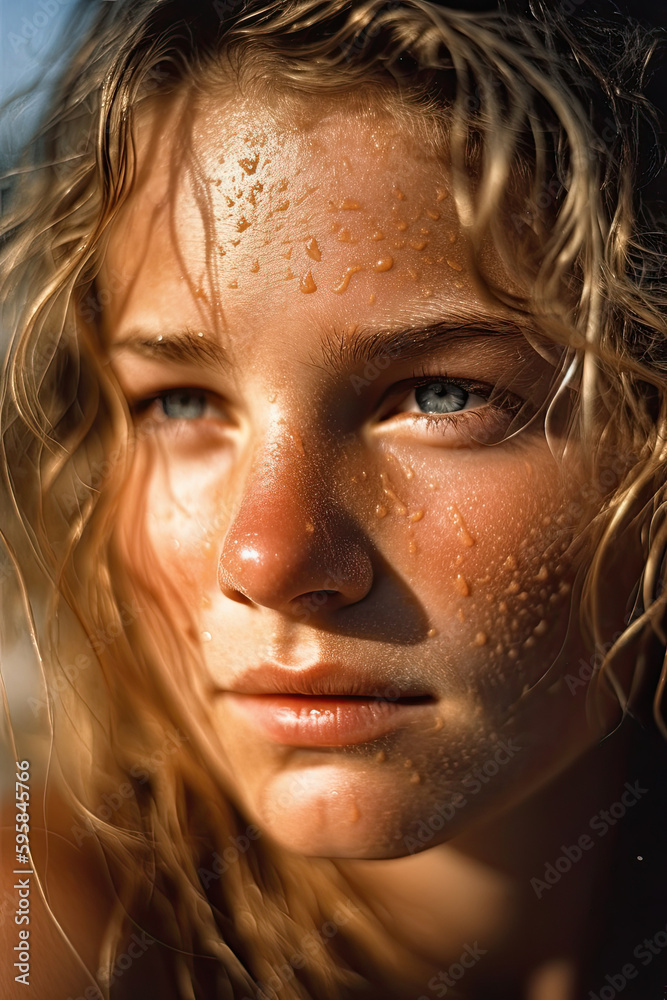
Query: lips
x=325, y=704
x=325, y=679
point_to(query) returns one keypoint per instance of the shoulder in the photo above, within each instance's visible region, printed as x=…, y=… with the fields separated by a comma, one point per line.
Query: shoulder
x=53, y=911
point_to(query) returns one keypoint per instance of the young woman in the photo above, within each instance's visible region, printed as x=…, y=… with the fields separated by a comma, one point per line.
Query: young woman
x=333, y=488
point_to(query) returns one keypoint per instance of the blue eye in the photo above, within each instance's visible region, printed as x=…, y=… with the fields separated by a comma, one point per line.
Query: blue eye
x=441, y=397
x=184, y=404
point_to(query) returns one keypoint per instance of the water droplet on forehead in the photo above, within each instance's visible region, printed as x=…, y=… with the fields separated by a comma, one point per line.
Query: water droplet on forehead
x=307, y=284
x=313, y=250
x=342, y=287
x=206, y=636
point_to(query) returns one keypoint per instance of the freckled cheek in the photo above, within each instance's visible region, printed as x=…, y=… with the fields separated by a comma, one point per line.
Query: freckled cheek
x=487, y=560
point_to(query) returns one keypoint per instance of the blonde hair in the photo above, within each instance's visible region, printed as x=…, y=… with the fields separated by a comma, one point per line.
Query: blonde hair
x=512, y=106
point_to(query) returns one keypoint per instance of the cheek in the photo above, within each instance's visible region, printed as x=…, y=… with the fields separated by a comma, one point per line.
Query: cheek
x=170, y=522
x=484, y=547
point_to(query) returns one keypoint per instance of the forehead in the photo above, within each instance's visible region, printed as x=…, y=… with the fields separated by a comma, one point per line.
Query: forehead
x=341, y=213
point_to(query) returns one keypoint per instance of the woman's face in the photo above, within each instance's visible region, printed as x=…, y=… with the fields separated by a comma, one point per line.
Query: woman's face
x=377, y=579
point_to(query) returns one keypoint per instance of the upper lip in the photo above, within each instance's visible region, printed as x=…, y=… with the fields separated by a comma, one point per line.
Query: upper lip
x=323, y=679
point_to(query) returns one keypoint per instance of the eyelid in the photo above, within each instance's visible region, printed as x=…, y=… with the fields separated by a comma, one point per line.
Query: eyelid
x=482, y=424
x=406, y=385
x=140, y=407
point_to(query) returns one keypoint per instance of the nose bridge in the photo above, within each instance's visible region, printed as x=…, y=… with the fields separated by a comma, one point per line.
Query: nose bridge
x=289, y=536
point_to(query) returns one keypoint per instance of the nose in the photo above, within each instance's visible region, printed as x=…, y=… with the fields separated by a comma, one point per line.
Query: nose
x=289, y=543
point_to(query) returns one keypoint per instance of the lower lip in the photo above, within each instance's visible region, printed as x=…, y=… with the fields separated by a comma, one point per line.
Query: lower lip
x=305, y=721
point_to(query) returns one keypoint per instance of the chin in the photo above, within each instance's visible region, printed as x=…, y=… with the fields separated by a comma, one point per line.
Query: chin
x=319, y=814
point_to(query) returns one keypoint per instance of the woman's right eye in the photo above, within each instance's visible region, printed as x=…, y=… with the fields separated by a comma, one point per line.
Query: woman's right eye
x=184, y=404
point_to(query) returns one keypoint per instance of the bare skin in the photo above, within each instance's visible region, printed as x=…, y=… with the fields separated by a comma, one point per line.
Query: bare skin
x=272, y=475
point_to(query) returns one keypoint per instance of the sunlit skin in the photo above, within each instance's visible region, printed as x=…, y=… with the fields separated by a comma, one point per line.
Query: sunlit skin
x=446, y=555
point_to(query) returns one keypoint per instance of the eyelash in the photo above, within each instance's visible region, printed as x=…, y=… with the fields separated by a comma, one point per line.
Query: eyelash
x=505, y=405
x=430, y=423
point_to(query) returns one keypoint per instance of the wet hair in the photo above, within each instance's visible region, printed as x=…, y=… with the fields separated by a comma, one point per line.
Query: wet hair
x=541, y=120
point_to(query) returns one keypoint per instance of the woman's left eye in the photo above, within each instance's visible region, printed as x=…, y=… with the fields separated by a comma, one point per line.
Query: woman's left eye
x=440, y=396
x=458, y=412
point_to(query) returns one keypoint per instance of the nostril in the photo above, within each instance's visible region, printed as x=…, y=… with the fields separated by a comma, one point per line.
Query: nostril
x=315, y=600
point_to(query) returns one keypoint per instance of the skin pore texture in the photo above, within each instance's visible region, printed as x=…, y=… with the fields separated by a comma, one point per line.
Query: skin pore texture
x=249, y=266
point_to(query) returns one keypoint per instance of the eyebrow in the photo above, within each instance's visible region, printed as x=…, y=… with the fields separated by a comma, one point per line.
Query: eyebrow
x=176, y=347
x=357, y=347
x=342, y=351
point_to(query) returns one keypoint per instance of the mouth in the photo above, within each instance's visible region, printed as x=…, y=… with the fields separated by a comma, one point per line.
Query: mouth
x=315, y=720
